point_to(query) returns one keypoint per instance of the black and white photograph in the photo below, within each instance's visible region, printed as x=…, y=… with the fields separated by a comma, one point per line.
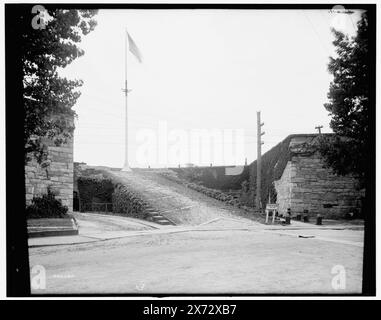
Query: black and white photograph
x=190, y=150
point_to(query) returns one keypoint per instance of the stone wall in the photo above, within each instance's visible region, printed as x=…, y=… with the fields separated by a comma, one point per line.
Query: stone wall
x=58, y=176
x=306, y=185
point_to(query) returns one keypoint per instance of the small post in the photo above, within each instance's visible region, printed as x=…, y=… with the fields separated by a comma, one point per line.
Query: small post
x=305, y=216
x=319, y=128
x=288, y=218
x=319, y=220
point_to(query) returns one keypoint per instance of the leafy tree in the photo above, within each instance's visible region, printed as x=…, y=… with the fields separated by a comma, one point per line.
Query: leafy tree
x=48, y=97
x=347, y=152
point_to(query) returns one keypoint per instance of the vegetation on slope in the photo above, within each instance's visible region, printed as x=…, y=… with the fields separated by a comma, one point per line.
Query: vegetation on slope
x=274, y=162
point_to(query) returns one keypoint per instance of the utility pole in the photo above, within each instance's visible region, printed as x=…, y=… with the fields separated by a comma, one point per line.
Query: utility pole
x=319, y=128
x=259, y=159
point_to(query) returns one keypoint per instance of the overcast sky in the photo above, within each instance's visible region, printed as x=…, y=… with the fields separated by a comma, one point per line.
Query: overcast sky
x=203, y=69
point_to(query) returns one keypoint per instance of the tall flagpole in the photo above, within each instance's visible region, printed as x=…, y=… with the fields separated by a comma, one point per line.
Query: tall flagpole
x=126, y=167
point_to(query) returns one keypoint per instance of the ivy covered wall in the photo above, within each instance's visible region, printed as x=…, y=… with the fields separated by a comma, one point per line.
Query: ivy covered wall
x=273, y=164
x=94, y=190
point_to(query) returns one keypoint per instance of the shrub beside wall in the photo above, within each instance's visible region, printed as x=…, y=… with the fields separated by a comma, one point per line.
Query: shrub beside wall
x=46, y=206
x=94, y=189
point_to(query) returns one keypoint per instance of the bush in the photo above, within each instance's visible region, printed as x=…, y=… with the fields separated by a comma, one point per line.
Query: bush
x=128, y=203
x=46, y=206
x=94, y=189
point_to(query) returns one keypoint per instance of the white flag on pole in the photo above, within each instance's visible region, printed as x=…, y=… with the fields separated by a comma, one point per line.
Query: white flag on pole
x=134, y=48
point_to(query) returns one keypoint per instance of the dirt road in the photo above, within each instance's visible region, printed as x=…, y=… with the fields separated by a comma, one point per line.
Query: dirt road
x=208, y=259
x=212, y=250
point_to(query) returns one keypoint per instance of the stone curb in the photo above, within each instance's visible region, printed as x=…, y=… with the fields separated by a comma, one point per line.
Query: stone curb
x=53, y=231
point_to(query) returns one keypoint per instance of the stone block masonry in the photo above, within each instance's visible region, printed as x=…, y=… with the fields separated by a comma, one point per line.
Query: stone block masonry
x=58, y=175
x=307, y=185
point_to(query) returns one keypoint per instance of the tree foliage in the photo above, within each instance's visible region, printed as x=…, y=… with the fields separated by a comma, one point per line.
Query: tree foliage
x=347, y=152
x=48, y=98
